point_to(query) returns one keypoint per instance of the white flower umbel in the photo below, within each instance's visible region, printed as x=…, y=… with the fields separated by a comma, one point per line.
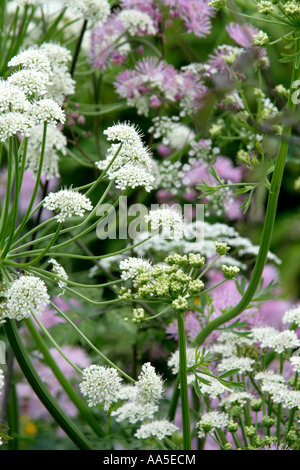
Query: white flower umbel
x=149, y=385
x=12, y=98
x=128, y=162
x=131, y=176
x=236, y=398
x=32, y=58
x=30, y=81
x=295, y=361
x=23, y=295
x=62, y=83
x=137, y=22
x=292, y=316
x=132, y=267
x=273, y=384
x=47, y=110
x=59, y=270
x=135, y=412
x=94, y=10
x=158, y=429
x=169, y=220
x=67, y=203
x=269, y=337
x=123, y=132
x=14, y=123
x=57, y=54
x=173, y=361
x=214, y=389
x=1, y=380
x=101, y=385
x=211, y=421
x=56, y=143
x=244, y=364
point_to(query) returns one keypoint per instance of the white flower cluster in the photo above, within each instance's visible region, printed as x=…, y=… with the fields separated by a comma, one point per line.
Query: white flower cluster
x=67, y=203
x=173, y=361
x=295, y=361
x=93, y=10
x=141, y=398
x=60, y=272
x=23, y=295
x=134, y=412
x=269, y=337
x=101, y=385
x=127, y=162
x=168, y=176
x=292, y=315
x=211, y=421
x=137, y=22
x=32, y=59
x=56, y=143
x=214, y=389
x=158, y=429
x=240, y=398
x=169, y=220
x=149, y=385
x=62, y=84
x=244, y=364
x=132, y=267
x=171, y=131
x=29, y=95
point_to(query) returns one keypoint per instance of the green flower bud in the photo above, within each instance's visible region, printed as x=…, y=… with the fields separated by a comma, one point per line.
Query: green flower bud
x=268, y=421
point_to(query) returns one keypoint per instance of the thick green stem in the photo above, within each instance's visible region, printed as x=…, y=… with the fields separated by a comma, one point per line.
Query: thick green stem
x=41, y=390
x=185, y=408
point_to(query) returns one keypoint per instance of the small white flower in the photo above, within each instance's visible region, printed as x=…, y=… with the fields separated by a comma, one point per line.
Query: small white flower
x=295, y=361
x=240, y=398
x=47, y=110
x=32, y=58
x=59, y=270
x=12, y=98
x=95, y=10
x=101, y=385
x=137, y=21
x=173, y=361
x=30, y=81
x=149, y=385
x=56, y=143
x=132, y=267
x=210, y=421
x=158, y=429
x=169, y=220
x=23, y=295
x=67, y=203
x=244, y=364
x=292, y=315
x=135, y=412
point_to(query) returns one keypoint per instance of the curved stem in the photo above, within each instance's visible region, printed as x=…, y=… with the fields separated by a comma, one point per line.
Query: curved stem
x=41, y=390
x=68, y=388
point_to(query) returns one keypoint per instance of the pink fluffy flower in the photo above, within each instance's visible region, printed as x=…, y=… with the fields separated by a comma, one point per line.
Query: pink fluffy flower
x=196, y=15
x=104, y=48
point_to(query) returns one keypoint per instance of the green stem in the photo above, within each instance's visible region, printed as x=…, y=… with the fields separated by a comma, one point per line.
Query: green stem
x=62, y=314
x=185, y=409
x=41, y=390
x=68, y=388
